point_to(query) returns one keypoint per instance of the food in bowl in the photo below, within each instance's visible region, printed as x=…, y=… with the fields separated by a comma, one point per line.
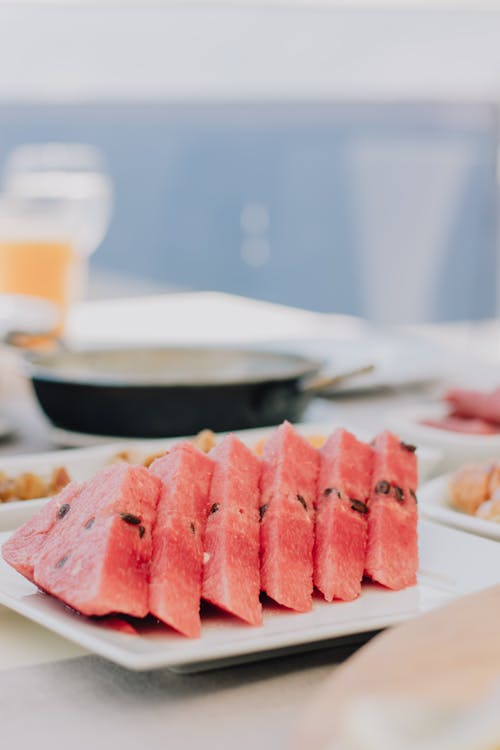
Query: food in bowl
x=28, y=485
x=475, y=489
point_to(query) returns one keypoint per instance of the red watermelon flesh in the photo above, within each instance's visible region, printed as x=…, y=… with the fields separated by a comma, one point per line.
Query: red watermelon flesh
x=341, y=521
x=23, y=547
x=231, y=577
x=176, y=563
x=392, y=551
x=97, y=558
x=289, y=478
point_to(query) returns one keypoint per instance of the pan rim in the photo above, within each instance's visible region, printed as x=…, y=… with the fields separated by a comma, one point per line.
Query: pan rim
x=40, y=367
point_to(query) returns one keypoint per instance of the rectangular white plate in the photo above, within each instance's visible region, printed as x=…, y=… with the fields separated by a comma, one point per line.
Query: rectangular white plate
x=435, y=504
x=82, y=463
x=452, y=564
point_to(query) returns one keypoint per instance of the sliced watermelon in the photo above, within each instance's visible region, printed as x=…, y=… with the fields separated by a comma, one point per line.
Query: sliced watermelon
x=392, y=551
x=231, y=577
x=96, y=557
x=176, y=563
x=342, y=516
x=289, y=478
x=24, y=546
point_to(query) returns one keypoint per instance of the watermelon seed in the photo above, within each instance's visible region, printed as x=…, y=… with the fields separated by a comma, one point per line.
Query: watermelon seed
x=358, y=505
x=130, y=518
x=330, y=490
x=399, y=494
x=414, y=495
x=408, y=447
x=63, y=510
x=61, y=562
x=214, y=508
x=383, y=487
x=302, y=501
x=90, y=523
x=142, y=531
x=262, y=510
x=191, y=526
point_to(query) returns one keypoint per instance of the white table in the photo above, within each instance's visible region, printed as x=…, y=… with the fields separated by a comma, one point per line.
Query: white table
x=54, y=695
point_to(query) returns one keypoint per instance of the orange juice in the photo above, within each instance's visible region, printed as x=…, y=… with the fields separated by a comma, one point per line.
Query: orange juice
x=40, y=268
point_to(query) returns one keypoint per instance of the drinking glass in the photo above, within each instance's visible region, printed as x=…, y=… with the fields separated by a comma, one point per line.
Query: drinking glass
x=38, y=262
x=72, y=175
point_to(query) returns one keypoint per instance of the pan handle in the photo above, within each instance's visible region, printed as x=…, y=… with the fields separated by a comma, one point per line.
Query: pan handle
x=320, y=385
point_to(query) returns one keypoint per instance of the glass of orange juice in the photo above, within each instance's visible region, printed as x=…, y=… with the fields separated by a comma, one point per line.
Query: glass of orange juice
x=38, y=257
x=64, y=196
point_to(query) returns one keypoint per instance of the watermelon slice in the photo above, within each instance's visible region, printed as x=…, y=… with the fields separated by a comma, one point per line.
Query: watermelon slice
x=96, y=556
x=176, y=563
x=342, y=516
x=24, y=546
x=231, y=578
x=392, y=552
x=289, y=478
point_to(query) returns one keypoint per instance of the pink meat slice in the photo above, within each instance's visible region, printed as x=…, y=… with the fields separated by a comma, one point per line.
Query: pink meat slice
x=177, y=559
x=24, y=546
x=289, y=485
x=96, y=557
x=475, y=404
x=231, y=577
x=341, y=527
x=392, y=550
x=467, y=425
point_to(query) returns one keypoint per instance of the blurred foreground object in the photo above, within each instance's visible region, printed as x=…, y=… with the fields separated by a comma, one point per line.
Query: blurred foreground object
x=422, y=685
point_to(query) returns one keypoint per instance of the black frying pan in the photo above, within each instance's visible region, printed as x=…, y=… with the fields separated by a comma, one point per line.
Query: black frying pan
x=167, y=392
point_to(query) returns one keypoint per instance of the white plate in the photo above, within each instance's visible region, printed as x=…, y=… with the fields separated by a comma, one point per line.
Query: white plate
x=82, y=463
x=456, y=448
x=452, y=564
x=434, y=502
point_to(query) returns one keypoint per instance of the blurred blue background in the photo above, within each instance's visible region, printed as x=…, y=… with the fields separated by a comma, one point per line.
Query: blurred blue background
x=382, y=210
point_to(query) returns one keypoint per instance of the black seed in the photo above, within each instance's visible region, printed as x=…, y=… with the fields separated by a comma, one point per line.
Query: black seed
x=191, y=526
x=409, y=447
x=383, y=487
x=399, y=494
x=90, y=523
x=215, y=507
x=358, y=505
x=414, y=495
x=63, y=510
x=130, y=518
x=302, y=501
x=262, y=510
x=332, y=490
x=61, y=562
x=142, y=531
